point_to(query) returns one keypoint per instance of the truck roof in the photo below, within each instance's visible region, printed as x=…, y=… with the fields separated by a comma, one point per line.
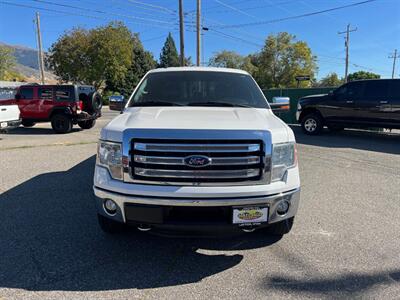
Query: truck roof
x=200, y=69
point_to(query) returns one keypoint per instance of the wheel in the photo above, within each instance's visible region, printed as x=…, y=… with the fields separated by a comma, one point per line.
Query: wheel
x=335, y=128
x=109, y=226
x=92, y=103
x=28, y=123
x=61, y=123
x=312, y=124
x=282, y=227
x=87, y=124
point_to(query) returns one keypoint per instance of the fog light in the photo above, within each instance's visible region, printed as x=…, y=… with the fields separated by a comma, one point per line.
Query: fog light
x=283, y=207
x=110, y=207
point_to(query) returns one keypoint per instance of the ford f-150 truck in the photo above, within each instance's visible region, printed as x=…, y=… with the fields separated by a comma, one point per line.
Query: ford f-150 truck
x=197, y=149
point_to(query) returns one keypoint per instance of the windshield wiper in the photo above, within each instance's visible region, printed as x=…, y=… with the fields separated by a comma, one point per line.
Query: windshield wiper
x=216, y=103
x=155, y=103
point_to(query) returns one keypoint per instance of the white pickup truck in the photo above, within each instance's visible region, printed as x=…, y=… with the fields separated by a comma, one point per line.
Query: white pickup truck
x=9, y=117
x=197, y=149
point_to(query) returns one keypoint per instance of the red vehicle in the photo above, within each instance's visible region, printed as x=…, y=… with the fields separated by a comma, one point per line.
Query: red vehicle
x=62, y=105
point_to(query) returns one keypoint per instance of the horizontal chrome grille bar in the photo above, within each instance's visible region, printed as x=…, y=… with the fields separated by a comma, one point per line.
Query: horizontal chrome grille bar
x=217, y=161
x=198, y=174
x=161, y=147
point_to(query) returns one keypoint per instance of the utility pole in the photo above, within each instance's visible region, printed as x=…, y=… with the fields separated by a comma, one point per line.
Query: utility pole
x=198, y=28
x=347, y=40
x=181, y=34
x=40, y=53
x=394, y=56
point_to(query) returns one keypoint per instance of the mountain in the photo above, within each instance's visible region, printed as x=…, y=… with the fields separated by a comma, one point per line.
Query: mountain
x=27, y=63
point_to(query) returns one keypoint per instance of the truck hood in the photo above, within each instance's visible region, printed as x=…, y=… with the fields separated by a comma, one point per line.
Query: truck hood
x=205, y=119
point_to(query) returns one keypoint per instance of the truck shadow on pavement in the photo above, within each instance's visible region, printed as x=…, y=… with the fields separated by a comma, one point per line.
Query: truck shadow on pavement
x=349, y=285
x=50, y=240
x=362, y=140
x=35, y=131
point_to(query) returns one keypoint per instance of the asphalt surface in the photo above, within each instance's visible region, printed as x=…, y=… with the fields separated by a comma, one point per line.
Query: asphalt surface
x=345, y=241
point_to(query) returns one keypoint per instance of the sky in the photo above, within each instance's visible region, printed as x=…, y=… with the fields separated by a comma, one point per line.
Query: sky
x=377, y=23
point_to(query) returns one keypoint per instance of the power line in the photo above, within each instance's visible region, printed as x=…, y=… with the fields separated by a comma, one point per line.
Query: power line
x=248, y=8
x=236, y=9
x=116, y=6
x=235, y=38
x=159, y=7
x=100, y=11
x=297, y=16
x=78, y=14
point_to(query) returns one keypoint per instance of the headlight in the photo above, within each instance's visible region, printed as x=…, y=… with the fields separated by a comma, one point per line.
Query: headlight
x=283, y=158
x=109, y=155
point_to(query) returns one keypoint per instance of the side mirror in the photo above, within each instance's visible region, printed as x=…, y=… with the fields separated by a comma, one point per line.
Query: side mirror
x=117, y=102
x=17, y=96
x=280, y=104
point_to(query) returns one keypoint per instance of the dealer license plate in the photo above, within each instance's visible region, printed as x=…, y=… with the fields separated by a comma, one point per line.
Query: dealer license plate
x=250, y=215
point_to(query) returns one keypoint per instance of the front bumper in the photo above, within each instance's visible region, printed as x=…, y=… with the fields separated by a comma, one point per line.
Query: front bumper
x=127, y=202
x=10, y=124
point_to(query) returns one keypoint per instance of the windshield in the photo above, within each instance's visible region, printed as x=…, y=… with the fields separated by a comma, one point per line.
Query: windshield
x=199, y=88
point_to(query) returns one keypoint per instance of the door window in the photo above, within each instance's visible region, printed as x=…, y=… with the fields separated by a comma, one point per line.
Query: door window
x=375, y=90
x=350, y=91
x=46, y=93
x=26, y=93
x=394, y=90
x=65, y=93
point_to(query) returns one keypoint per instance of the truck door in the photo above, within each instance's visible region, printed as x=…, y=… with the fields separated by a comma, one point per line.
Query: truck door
x=340, y=108
x=25, y=102
x=45, y=102
x=373, y=107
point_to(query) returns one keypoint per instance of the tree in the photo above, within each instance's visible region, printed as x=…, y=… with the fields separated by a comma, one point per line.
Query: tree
x=330, y=80
x=362, y=75
x=231, y=59
x=92, y=56
x=169, y=55
x=7, y=61
x=226, y=59
x=281, y=60
x=142, y=62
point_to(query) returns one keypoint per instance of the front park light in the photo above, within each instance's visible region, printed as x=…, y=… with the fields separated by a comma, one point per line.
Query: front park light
x=109, y=155
x=283, y=158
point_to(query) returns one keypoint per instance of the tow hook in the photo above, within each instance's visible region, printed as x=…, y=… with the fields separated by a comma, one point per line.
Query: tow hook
x=143, y=228
x=248, y=229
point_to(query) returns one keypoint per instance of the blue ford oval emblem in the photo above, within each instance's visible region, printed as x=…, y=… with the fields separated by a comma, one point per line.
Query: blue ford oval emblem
x=197, y=161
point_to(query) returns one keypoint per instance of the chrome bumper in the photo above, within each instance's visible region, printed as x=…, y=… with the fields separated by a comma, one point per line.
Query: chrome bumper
x=271, y=201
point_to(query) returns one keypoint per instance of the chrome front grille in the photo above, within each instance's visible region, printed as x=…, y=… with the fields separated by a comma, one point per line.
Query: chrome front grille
x=165, y=161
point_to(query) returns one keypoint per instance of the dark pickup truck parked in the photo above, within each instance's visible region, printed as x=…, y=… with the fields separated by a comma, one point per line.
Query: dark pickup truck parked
x=356, y=104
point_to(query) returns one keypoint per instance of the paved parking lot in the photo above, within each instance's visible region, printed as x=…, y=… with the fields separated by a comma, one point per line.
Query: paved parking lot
x=345, y=241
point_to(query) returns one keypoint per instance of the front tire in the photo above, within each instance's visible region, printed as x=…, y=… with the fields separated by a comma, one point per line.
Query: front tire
x=109, y=226
x=87, y=124
x=282, y=227
x=61, y=123
x=312, y=124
